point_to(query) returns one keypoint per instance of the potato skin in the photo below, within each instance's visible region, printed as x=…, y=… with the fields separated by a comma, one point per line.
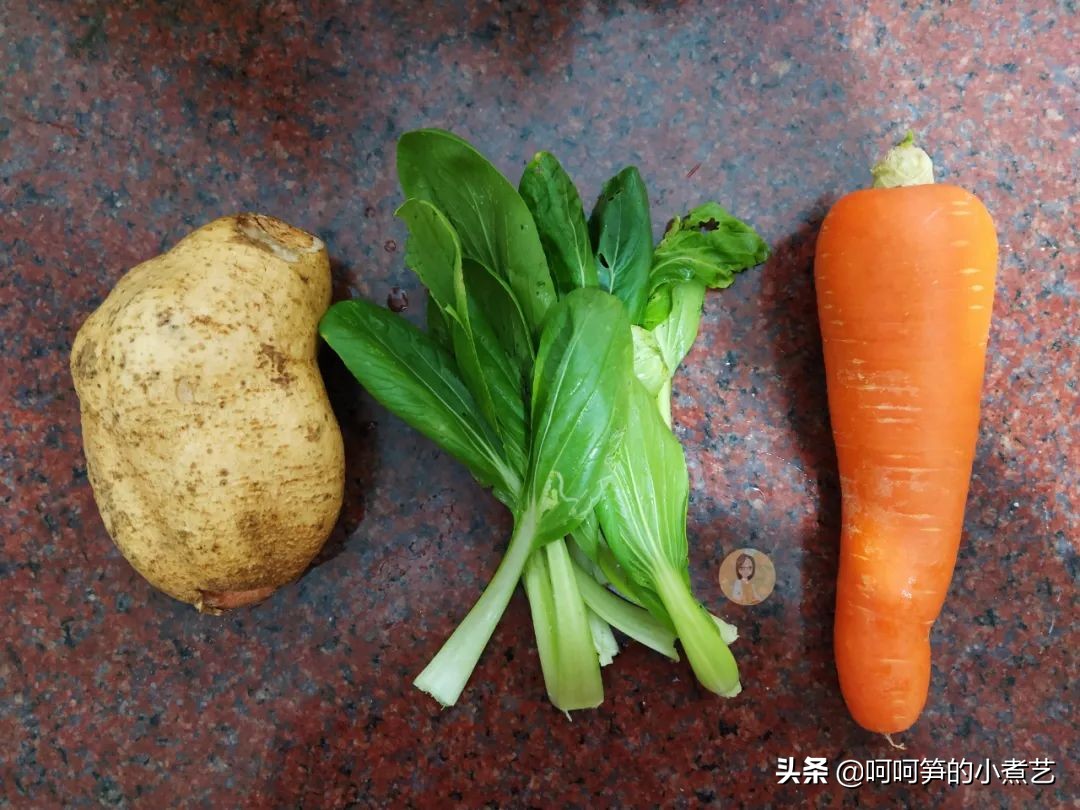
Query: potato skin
x=214, y=456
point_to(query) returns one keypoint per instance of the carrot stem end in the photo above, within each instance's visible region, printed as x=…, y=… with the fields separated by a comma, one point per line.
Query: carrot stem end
x=904, y=165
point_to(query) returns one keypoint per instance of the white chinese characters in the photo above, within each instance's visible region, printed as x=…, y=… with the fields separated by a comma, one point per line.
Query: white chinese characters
x=852, y=773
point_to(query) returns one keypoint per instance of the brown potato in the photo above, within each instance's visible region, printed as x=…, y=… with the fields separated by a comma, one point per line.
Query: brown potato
x=214, y=456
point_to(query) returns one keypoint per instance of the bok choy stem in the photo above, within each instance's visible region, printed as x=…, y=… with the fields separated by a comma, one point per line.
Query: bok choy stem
x=564, y=638
x=636, y=622
x=445, y=677
x=577, y=682
x=712, y=661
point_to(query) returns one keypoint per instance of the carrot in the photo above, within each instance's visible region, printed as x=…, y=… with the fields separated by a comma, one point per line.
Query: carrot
x=905, y=283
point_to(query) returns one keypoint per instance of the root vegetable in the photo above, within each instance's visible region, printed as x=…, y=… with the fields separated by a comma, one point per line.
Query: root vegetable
x=215, y=459
x=905, y=286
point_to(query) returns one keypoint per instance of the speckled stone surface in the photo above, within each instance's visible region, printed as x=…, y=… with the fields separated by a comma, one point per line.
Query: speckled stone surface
x=120, y=130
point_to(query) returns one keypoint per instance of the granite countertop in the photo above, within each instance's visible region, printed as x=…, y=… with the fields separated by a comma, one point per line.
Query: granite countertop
x=120, y=130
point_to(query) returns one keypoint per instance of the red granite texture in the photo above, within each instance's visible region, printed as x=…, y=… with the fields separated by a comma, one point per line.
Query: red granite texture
x=122, y=126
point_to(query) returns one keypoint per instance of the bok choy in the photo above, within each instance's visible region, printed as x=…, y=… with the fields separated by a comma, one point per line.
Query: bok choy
x=552, y=339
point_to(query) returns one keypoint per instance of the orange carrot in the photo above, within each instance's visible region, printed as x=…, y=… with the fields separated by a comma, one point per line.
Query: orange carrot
x=905, y=284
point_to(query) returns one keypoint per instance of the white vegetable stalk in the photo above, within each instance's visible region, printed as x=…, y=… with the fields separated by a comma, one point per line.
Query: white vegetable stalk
x=445, y=677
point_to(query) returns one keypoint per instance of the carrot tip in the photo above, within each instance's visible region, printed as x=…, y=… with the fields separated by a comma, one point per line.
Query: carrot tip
x=903, y=165
x=896, y=745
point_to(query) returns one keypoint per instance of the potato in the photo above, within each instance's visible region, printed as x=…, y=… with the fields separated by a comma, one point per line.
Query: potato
x=214, y=457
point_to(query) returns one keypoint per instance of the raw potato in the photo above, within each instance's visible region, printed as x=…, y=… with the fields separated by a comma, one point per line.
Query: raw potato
x=214, y=456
